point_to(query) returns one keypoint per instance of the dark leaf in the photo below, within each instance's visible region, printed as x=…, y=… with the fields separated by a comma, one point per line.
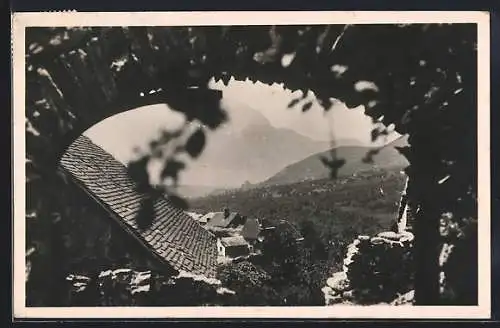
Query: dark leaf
x=333, y=164
x=375, y=134
x=225, y=79
x=145, y=216
x=368, y=158
x=294, y=102
x=195, y=143
x=137, y=170
x=405, y=151
x=179, y=202
x=326, y=104
x=307, y=106
x=325, y=160
x=172, y=168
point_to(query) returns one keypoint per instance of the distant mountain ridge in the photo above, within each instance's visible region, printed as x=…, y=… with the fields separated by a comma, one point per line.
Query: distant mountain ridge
x=249, y=148
x=312, y=168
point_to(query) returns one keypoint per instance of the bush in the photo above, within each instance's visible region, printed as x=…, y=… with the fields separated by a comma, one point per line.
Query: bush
x=251, y=284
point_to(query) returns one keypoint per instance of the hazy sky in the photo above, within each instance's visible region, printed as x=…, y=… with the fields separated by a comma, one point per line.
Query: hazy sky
x=120, y=133
x=317, y=124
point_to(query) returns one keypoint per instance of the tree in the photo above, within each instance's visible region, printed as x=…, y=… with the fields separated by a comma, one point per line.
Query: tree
x=295, y=273
x=419, y=77
x=250, y=283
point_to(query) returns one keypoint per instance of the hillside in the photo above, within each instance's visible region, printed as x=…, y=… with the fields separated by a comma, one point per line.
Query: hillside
x=338, y=209
x=248, y=148
x=311, y=168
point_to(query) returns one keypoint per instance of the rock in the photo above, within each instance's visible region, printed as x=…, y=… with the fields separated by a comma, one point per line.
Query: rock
x=327, y=290
x=348, y=261
x=352, y=249
x=389, y=235
x=338, y=282
x=378, y=241
x=348, y=295
x=405, y=299
x=333, y=299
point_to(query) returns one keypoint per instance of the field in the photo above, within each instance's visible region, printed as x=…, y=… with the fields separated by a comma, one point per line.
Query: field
x=337, y=209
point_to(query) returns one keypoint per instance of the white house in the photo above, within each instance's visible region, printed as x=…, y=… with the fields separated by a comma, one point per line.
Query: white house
x=232, y=247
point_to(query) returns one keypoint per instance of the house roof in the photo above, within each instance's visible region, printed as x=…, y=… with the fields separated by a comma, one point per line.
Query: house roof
x=218, y=219
x=251, y=229
x=233, y=241
x=207, y=217
x=174, y=236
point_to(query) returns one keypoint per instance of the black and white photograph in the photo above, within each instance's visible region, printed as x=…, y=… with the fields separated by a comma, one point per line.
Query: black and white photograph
x=318, y=164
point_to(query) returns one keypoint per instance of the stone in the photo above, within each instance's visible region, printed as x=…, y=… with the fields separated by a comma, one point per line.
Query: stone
x=406, y=236
x=348, y=261
x=405, y=299
x=378, y=241
x=389, y=235
x=327, y=290
x=338, y=282
x=348, y=295
x=333, y=299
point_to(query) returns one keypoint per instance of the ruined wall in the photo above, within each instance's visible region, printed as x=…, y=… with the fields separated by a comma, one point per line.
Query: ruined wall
x=126, y=287
x=376, y=270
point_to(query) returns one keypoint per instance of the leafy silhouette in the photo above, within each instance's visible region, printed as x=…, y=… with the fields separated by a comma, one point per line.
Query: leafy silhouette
x=145, y=215
x=369, y=155
x=172, y=169
x=425, y=77
x=137, y=170
x=195, y=143
x=334, y=164
x=293, y=102
x=179, y=202
x=307, y=106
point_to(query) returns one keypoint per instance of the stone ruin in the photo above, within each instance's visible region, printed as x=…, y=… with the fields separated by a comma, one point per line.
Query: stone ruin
x=127, y=287
x=378, y=269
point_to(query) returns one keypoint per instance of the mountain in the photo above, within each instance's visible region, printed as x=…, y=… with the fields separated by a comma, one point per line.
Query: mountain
x=248, y=148
x=193, y=191
x=312, y=168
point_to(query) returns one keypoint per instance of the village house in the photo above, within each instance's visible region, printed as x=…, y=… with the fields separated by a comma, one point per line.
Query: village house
x=225, y=219
x=103, y=231
x=206, y=218
x=232, y=247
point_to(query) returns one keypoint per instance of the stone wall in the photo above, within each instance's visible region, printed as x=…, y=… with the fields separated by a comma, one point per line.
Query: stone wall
x=376, y=270
x=127, y=287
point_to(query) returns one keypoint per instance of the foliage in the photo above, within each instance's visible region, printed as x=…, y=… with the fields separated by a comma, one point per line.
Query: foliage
x=328, y=213
x=295, y=274
x=250, y=283
x=419, y=77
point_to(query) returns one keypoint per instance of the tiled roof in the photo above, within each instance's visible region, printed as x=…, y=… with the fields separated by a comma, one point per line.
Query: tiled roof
x=218, y=219
x=233, y=241
x=174, y=236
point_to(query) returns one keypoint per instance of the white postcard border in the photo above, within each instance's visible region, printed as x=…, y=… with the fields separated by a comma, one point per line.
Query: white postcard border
x=51, y=19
